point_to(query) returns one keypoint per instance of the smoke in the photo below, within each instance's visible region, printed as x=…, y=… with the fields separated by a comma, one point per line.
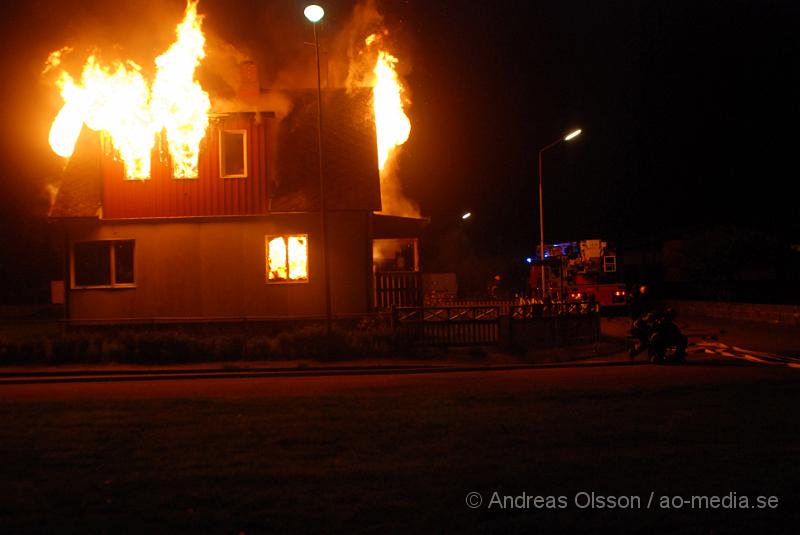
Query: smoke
x=51, y=192
x=365, y=22
x=393, y=199
x=219, y=72
x=222, y=74
x=274, y=101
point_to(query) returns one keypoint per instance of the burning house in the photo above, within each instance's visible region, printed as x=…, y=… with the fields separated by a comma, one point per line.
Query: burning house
x=174, y=209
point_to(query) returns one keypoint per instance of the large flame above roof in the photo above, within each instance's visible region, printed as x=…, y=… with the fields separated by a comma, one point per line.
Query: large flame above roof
x=374, y=66
x=117, y=100
x=391, y=122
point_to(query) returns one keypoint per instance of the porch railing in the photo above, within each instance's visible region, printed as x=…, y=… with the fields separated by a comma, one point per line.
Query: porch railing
x=397, y=289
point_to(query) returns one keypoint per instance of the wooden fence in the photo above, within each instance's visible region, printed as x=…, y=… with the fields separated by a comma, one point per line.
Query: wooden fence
x=502, y=323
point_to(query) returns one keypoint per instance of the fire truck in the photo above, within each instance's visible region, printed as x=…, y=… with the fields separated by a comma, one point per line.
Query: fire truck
x=579, y=271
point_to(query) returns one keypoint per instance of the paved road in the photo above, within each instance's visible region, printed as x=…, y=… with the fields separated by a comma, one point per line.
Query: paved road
x=402, y=452
x=388, y=453
x=772, y=340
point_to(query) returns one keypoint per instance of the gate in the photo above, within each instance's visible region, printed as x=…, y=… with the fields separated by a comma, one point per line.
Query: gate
x=449, y=326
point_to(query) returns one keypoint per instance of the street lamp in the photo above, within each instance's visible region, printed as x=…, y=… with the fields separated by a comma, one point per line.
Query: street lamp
x=572, y=135
x=314, y=14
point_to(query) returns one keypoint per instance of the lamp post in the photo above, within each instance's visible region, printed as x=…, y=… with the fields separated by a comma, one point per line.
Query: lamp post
x=568, y=137
x=314, y=14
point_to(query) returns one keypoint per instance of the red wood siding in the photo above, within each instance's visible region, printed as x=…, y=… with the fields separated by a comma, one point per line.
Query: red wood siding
x=207, y=195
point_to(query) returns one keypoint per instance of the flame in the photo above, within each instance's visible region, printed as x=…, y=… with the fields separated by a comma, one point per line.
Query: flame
x=66, y=128
x=179, y=103
x=298, y=257
x=118, y=100
x=377, y=68
x=55, y=58
x=287, y=258
x=391, y=122
x=276, y=260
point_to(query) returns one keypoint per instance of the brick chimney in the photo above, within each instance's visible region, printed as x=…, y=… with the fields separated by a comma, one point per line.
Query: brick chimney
x=249, y=87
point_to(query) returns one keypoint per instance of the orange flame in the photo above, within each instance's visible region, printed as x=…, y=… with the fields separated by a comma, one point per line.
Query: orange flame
x=287, y=258
x=119, y=101
x=276, y=259
x=377, y=68
x=391, y=122
x=298, y=257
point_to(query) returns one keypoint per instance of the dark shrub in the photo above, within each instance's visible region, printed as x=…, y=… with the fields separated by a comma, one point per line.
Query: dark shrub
x=259, y=348
x=75, y=347
x=312, y=343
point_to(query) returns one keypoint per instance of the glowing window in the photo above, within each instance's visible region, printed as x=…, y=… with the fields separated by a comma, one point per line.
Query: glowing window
x=233, y=153
x=287, y=258
x=103, y=264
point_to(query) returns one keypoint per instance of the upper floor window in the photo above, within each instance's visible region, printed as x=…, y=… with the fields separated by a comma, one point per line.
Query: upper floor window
x=103, y=264
x=233, y=153
x=610, y=264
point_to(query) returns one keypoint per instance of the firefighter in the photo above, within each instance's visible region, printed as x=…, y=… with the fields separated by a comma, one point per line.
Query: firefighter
x=641, y=308
x=671, y=333
x=493, y=286
x=640, y=302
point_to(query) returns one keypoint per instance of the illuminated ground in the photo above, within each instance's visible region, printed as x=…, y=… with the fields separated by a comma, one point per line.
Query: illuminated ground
x=394, y=453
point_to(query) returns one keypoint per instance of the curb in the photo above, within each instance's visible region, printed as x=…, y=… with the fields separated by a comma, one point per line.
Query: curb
x=162, y=375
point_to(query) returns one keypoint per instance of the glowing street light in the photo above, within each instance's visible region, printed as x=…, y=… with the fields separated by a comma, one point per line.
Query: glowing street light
x=572, y=135
x=314, y=13
x=467, y=215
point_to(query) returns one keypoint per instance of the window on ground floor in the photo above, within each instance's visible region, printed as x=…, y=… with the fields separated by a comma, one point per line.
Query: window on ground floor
x=103, y=264
x=287, y=258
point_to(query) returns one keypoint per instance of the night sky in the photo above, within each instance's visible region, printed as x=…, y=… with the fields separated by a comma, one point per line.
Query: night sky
x=689, y=109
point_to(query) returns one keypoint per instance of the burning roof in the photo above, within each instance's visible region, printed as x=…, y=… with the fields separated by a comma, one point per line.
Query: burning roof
x=170, y=115
x=118, y=100
x=350, y=157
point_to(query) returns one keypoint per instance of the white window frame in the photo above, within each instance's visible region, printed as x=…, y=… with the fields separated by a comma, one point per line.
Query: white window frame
x=285, y=237
x=610, y=261
x=223, y=131
x=112, y=267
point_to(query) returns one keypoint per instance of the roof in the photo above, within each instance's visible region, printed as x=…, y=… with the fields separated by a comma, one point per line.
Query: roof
x=80, y=193
x=392, y=226
x=350, y=153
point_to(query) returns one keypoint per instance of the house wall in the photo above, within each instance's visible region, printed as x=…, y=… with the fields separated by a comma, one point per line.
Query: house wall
x=209, y=194
x=215, y=269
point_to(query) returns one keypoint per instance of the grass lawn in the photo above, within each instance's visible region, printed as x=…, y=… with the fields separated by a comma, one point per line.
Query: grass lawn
x=398, y=460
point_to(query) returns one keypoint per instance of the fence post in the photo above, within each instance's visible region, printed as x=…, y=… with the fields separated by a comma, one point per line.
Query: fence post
x=505, y=335
x=597, y=322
